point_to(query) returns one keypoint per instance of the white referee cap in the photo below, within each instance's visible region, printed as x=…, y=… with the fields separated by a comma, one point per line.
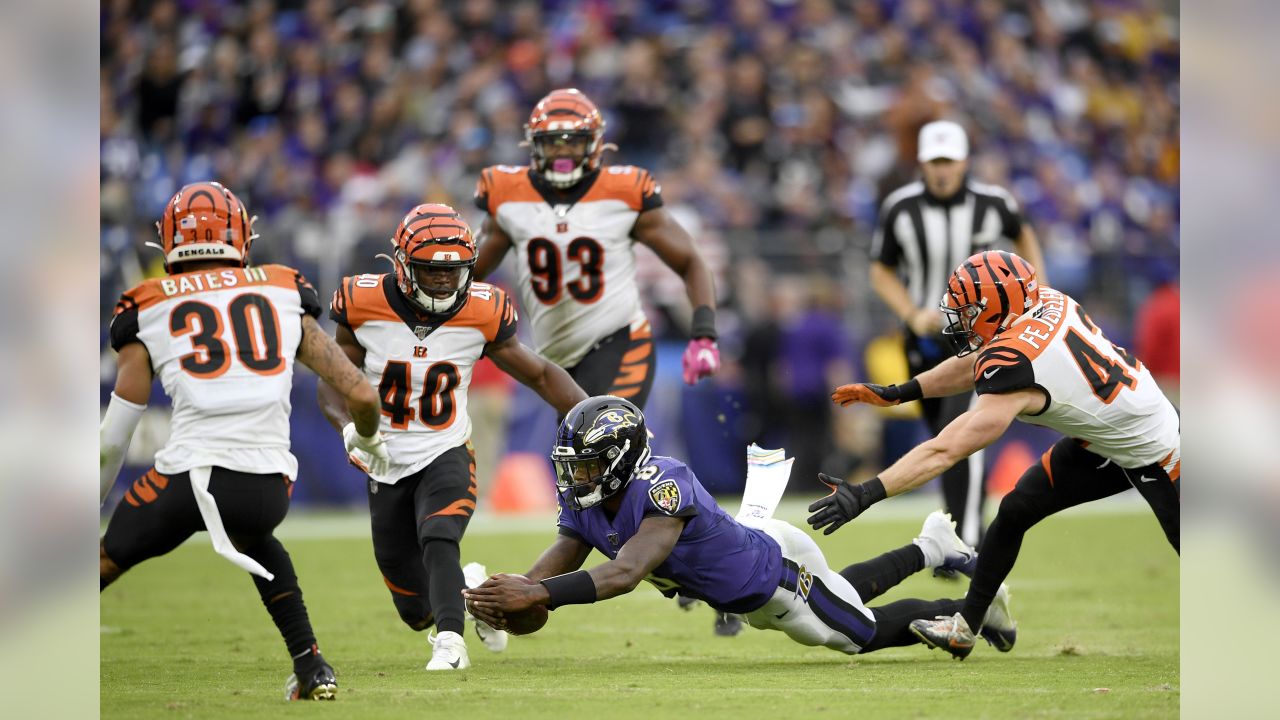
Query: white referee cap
x=943, y=139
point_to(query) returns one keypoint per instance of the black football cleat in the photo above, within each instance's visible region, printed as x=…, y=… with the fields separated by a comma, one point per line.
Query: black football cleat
x=728, y=624
x=320, y=684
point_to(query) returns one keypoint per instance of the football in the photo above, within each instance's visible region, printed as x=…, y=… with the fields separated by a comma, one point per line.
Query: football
x=526, y=621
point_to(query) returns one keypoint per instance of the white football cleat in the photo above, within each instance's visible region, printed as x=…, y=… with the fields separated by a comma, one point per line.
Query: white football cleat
x=449, y=652
x=941, y=546
x=998, y=626
x=473, y=574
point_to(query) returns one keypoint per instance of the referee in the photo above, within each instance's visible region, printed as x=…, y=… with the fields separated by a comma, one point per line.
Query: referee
x=925, y=230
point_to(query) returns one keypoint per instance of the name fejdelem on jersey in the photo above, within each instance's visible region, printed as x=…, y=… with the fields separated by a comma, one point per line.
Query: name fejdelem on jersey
x=1050, y=316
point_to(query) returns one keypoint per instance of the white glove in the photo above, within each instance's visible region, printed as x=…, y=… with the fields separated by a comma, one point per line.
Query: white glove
x=368, y=452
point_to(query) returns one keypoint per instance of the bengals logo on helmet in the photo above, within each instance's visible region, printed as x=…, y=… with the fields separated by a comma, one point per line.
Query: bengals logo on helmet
x=565, y=113
x=985, y=295
x=433, y=237
x=204, y=221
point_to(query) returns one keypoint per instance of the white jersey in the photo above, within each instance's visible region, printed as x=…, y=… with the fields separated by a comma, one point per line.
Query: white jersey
x=222, y=343
x=1098, y=393
x=421, y=368
x=576, y=267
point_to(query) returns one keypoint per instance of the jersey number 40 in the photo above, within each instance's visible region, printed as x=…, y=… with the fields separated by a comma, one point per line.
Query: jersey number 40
x=435, y=407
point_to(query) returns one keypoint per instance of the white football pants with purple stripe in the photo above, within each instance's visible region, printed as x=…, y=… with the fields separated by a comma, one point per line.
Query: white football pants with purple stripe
x=813, y=604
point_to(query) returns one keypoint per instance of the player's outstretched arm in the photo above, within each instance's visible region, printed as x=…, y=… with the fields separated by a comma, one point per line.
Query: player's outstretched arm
x=542, y=376
x=652, y=544
x=128, y=401
x=962, y=437
x=950, y=377
x=500, y=593
x=566, y=554
x=494, y=244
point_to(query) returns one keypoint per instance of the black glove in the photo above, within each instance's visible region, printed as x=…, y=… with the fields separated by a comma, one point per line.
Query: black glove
x=846, y=502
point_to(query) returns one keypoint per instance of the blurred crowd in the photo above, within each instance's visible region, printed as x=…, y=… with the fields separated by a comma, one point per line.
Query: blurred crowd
x=776, y=123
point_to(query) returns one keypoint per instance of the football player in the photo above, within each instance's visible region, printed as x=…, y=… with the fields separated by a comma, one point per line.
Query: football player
x=572, y=221
x=1032, y=354
x=654, y=521
x=417, y=333
x=223, y=337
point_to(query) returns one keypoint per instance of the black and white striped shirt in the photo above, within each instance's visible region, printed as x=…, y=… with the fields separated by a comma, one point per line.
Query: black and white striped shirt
x=925, y=239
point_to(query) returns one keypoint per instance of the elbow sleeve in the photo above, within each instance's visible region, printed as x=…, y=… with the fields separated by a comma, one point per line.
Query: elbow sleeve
x=114, y=434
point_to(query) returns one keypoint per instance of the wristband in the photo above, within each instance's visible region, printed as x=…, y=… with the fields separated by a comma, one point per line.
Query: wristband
x=575, y=588
x=910, y=390
x=704, y=323
x=875, y=490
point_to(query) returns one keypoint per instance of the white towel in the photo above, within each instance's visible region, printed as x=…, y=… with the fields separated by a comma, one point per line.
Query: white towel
x=213, y=523
x=768, y=472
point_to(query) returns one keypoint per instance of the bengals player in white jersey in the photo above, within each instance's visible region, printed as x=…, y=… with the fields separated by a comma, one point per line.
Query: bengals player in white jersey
x=1032, y=354
x=572, y=222
x=223, y=338
x=417, y=333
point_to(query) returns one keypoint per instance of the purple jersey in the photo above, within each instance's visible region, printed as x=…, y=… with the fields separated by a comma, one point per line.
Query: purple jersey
x=731, y=567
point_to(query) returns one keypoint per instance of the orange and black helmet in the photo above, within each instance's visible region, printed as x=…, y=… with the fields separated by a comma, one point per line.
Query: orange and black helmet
x=434, y=237
x=562, y=115
x=204, y=221
x=985, y=295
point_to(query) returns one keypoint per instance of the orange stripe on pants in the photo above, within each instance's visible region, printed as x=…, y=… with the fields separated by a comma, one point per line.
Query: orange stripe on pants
x=631, y=375
x=1047, y=464
x=457, y=507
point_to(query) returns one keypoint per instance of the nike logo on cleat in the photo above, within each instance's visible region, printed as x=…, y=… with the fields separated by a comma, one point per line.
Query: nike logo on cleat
x=783, y=614
x=455, y=663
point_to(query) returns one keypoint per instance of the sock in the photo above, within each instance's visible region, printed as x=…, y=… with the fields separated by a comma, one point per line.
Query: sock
x=872, y=578
x=283, y=598
x=307, y=660
x=893, y=620
x=442, y=559
x=933, y=553
x=999, y=553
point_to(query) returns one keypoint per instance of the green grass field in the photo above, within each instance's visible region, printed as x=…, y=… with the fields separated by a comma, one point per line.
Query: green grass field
x=1095, y=595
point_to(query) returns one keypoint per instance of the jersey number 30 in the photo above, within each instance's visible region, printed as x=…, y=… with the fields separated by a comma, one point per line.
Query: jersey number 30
x=255, y=328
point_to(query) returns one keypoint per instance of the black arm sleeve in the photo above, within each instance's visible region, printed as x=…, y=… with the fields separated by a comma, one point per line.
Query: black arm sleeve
x=1003, y=370
x=310, y=298
x=124, y=324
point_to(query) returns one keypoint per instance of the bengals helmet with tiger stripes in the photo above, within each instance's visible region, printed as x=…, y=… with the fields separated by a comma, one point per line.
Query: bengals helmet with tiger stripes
x=433, y=253
x=204, y=221
x=984, y=296
x=563, y=115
